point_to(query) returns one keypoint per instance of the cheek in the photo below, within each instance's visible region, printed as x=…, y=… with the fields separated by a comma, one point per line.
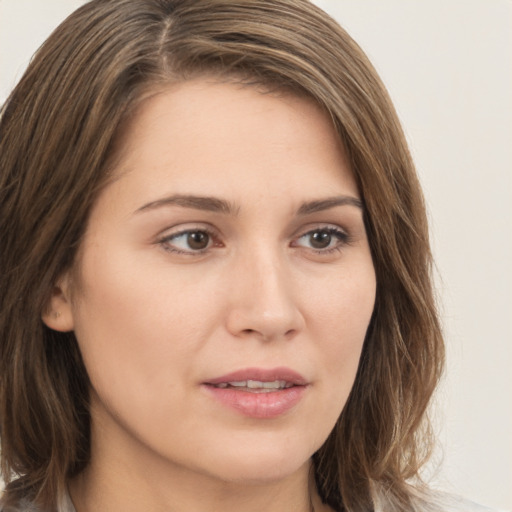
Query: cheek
x=342, y=305
x=338, y=333
x=136, y=326
x=341, y=316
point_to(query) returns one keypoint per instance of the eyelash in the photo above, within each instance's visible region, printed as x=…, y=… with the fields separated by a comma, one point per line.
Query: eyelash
x=165, y=241
x=342, y=237
x=343, y=240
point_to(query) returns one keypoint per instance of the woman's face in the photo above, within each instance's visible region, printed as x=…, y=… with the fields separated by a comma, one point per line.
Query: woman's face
x=225, y=285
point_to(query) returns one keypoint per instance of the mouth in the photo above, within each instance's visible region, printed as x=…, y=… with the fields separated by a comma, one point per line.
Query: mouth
x=255, y=386
x=259, y=393
x=259, y=380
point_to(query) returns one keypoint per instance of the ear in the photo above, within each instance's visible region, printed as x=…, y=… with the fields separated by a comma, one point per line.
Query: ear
x=58, y=314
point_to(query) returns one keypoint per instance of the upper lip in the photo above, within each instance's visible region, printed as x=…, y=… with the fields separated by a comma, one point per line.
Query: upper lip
x=261, y=375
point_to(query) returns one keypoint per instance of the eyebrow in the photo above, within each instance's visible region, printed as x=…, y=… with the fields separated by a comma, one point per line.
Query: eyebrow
x=214, y=204
x=326, y=204
x=206, y=203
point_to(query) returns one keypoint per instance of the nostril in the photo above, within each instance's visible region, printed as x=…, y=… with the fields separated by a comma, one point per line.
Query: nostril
x=267, y=336
x=258, y=320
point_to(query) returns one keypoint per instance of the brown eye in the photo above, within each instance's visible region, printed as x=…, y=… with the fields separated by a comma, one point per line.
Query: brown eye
x=188, y=242
x=323, y=240
x=198, y=240
x=320, y=239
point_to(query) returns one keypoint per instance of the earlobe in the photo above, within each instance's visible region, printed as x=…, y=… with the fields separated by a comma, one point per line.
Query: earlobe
x=59, y=313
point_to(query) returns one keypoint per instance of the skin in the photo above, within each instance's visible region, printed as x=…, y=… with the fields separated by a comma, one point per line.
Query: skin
x=273, y=286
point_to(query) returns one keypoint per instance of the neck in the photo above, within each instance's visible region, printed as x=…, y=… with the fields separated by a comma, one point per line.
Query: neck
x=129, y=481
x=127, y=475
x=92, y=491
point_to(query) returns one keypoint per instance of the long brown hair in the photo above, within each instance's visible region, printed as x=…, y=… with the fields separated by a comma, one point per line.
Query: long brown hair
x=58, y=134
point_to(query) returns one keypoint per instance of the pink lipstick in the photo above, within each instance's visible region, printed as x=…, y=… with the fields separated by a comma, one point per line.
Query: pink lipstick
x=257, y=392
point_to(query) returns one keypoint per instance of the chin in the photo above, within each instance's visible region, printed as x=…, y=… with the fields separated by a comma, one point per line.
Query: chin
x=256, y=473
x=260, y=464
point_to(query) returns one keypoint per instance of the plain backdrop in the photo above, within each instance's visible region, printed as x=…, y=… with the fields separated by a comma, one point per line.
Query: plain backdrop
x=448, y=67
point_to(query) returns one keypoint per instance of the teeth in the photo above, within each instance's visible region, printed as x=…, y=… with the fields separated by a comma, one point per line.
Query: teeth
x=256, y=384
x=238, y=384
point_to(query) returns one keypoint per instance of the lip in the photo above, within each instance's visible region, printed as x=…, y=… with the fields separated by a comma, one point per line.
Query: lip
x=267, y=405
x=263, y=375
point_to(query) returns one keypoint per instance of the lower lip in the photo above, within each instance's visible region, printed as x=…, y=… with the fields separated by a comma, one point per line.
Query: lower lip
x=259, y=405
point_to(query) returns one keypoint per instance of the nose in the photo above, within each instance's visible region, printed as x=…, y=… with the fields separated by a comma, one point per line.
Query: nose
x=264, y=300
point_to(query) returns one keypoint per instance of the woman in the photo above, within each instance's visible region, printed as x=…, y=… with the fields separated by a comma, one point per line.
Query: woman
x=215, y=289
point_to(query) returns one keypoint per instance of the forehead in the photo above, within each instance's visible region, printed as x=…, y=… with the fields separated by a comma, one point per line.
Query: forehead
x=209, y=137
x=210, y=111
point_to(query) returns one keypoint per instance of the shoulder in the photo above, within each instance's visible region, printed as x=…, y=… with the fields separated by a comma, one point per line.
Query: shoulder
x=22, y=506
x=27, y=506
x=424, y=499
x=453, y=503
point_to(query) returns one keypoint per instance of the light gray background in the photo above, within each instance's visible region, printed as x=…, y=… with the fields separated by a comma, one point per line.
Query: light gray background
x=448, y=67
